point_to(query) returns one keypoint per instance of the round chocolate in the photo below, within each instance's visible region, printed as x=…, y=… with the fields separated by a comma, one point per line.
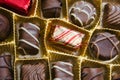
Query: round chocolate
x=82, y=13
x=51, y=8
x=111, y=17
x=4, y=27
x=104, y=46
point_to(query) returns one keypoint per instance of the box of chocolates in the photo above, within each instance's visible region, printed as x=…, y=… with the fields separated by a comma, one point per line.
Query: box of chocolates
x=59, y=40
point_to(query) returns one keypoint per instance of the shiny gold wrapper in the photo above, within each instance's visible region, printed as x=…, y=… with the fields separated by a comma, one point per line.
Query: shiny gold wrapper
x=19, y=63
x=54, y=57
x=40, y=23
x=63, y=10
x=93, y=64
x=51, y=45
x=9, y=15
x=97, y=5
x=114, y=60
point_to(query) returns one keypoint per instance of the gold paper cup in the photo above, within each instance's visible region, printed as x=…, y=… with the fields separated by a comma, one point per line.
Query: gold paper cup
x=64, y=58
x=42, y=25
x=20, y=63
x=53, y=46
x=90, y=55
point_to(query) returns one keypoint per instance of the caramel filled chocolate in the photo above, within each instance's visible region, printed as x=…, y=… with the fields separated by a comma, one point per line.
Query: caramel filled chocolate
x=29, y=35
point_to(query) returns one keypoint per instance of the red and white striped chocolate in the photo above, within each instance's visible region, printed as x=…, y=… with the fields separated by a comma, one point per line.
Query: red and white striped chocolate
x=67, y=36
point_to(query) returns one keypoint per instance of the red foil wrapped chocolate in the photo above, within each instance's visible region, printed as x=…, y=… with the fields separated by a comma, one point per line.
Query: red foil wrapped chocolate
x=19, y=6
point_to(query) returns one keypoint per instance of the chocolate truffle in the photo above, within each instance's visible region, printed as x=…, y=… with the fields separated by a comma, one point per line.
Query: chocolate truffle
x=104, y=46
x=6, y=71
x=92, y=74
x=51, y=8
x=62, y=71
x=34, y=71
x=67, y=37
x=29, y=35
x=82, y=13
x=111, y=16
x=4, y=27
x=115, y=76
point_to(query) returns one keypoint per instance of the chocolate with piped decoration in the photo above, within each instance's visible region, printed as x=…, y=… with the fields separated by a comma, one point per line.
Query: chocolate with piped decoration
x=51, y=8
x=37, y=71
x=82, y=13
x=67, y=37
x=29, y=35
x=62, y=71
x=111, y=18
x=6, y=71
x=104, y=46
x=4, y=27
x=92, y=74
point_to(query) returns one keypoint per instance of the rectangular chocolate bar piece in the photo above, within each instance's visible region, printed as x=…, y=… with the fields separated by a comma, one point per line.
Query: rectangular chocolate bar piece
x=62, y=71
x=67, y=37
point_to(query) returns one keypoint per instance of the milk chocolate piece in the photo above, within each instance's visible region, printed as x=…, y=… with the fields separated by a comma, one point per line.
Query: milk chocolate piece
x=4, y=27
x=104, y=46
x=29, y=35
x=62, y=71
x=51, y=8
x=6, y=71
x=67, y=37
x=34, y=71
x=111, y=17
x=92, y=74
x=82, y=13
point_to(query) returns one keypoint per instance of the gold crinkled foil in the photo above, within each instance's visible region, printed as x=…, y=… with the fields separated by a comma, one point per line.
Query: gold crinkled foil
x=42, y=25
x=50, y=45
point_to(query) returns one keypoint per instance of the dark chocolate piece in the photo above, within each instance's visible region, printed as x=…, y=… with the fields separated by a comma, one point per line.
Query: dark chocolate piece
x=62, y=71
x=29, y=35
x=34, y=71
x=111, y=16
x=6, y=71
x=104, y=46
x=82, y=13
x=51, y=8
x=4, y=27
x=92, y=74
x=115, y=76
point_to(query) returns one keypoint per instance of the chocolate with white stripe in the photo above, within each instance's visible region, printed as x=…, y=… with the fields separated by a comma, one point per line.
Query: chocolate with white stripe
x=62, y=71
x=67, y=37
x=92, y=74
x=111, y=16
x=29, y=35
x=82, y=13
x=104, y=46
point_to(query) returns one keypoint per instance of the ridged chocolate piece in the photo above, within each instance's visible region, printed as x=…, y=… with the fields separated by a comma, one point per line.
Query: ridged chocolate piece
x=6, y=71
x=34, y=71
x=82, y=13
x=92, y=74
x=62, y=71
x=51, y=8
x=111, y=16
x=104, y=46
x=29, y=35
x=4, y=27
